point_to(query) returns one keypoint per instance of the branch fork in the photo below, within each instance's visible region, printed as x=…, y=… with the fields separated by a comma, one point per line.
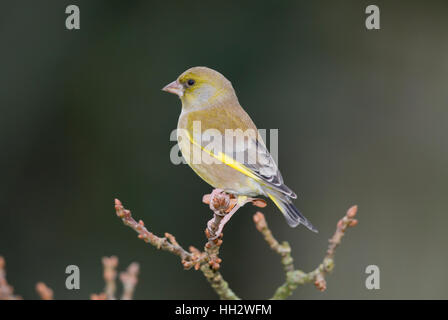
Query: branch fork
x=223, y=206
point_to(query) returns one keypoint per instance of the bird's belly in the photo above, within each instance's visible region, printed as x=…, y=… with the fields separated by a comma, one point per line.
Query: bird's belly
x=218, y=174
x=224, y=177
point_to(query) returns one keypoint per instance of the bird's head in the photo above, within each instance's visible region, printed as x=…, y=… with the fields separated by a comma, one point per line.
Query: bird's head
x=200, y=86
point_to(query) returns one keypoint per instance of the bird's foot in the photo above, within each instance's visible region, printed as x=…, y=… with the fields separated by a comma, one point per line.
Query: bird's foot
x=214, y=234
x=218, y=200
x=224, y=206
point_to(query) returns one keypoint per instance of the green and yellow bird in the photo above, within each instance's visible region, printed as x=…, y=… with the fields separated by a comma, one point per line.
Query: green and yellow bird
x=209, y=102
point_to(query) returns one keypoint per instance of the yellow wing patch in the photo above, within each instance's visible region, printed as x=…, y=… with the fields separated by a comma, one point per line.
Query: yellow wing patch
x=226, y=160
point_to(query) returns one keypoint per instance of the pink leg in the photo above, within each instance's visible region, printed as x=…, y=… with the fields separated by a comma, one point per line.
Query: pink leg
x=222, y=222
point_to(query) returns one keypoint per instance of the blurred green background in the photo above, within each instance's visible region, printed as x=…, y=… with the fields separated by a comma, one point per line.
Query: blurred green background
x=362, y=118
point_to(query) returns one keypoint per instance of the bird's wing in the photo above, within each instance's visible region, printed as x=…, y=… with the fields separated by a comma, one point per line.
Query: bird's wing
x=248, y=155
x=265, y=168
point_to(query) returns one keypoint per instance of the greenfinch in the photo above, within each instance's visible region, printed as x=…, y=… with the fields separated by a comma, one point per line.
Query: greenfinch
x=210, y=109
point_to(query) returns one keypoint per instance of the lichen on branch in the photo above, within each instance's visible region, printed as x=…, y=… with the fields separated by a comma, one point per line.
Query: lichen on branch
x=295, y=277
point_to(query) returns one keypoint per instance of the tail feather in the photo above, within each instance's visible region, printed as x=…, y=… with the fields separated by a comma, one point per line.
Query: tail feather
x=291, y=213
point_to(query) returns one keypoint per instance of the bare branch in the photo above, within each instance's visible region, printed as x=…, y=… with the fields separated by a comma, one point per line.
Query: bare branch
x=207, y=261
x=149, y=237
x=224, y=206
x=99, y=296
x=298, y=277
x=44, y=292
x=110, y=265
x=129, y=278
x=6, y=291
x=284, y=250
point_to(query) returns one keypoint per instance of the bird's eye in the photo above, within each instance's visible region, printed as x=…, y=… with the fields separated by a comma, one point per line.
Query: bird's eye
x=190, y=82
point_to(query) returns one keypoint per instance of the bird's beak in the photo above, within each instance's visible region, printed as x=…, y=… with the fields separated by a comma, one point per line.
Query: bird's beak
x=174, y=87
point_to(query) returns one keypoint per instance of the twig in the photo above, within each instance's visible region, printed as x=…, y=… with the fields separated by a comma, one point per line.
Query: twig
x=45, y=293
x=110, y=275
x=98, y=296
x=208, y=261
x=6, y=290
x=298, y=277
x=149, y=237
x=129, y=279
x=283, y=249
x=223, y=206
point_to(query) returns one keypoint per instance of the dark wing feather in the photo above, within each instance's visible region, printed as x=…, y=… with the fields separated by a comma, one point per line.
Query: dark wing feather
x=255, y=157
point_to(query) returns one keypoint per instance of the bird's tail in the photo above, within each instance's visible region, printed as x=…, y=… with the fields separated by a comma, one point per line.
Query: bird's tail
x=291, y=213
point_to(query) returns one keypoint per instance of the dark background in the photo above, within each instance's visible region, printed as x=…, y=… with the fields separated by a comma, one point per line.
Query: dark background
x=362, y=119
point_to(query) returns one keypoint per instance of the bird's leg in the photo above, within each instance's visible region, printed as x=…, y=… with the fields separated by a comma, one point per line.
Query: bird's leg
x=224, y=206
x=225, y=218
x=221, y=203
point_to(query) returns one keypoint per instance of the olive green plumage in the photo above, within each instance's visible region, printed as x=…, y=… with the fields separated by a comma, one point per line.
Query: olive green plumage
x=209, y=103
